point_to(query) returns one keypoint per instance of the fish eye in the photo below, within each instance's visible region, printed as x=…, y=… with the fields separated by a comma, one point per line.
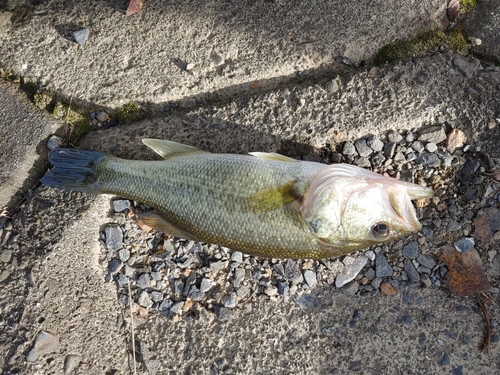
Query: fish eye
x=380, y=230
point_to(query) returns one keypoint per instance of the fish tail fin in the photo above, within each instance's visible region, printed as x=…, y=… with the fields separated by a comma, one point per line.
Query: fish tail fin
x=74, y=170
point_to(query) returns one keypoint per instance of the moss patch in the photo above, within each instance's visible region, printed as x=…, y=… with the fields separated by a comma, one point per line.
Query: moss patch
x=467, y=5
x=78, y=120
x=422, y=45
x=129, y=113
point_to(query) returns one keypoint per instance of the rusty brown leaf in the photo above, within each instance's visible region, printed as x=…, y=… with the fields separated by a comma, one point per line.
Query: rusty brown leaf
x=134, y=6
x=466, y=276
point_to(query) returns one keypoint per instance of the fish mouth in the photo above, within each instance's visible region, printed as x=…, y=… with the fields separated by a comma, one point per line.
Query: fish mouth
x=400, y=201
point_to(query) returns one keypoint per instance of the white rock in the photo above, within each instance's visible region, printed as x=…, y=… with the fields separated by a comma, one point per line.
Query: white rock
x=351, y=270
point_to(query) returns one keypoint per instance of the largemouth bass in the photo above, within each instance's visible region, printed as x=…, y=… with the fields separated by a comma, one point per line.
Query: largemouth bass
x=265, y=204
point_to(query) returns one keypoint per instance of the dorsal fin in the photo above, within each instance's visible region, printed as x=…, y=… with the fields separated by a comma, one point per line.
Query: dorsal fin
x=169, y=149
x=273, y=156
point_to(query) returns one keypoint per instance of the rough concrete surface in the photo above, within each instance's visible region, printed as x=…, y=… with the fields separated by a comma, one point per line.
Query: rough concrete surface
x=185, y=50
x=51, y=271
x=484, y=24
x=23, y=137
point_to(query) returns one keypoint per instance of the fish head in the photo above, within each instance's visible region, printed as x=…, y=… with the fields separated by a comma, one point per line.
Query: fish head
x=350, y=207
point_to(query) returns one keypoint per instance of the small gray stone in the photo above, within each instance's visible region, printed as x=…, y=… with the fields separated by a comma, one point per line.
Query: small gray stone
x=144, y=300
x=431, y=147
x=114, y=237
x=352, y=266
x=411, y=271
x=411, y=250
x=382, y=267
x=124, y=254
x=467, y=67
x=165, y=306
x=196, y=294
x=362, y=162
x=394, y=137
x=271, y=290
x=120, y=205
x=156, y=276
x=230, y=300
x=445, y=361
x=426, y=261
x=399, y=156
x=122, y=281
x=434, y=134
x=216, y=266
x=348, y=149
x=46, y=342
x=242, y=292
x=81, y=36
x=453, y=226
x=351, y=289
x=237, y=256
x=114, y=266
x=374, y=143
x=283, y=288
x=144, y=281
x=426, y=280
x=156, y=296
x=468, y=170
x=292, y=272
x=54, y=142
x=410, y=156
x=428, y=160
x=410, y=137
x=465, y=244
x=239, y=276
x=362, y=147
x=370, y=274
x=378, y=160
x=206, y=285
x=389, y=149
x=417, y=146
x=278, y=267
x=376, y=282
x=310, y=277
x=176, y=307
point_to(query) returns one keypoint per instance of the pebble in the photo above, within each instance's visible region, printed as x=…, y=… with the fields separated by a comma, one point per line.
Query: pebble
x=230, y=300
x=362, y=147
x=121, y=205
x=196, y=294
x=348, y=149
x=389, y=149
x=411, y=271
x=271, y=290
x=81, y=36
x=310, y=277
x=45, y=342
x=394, y=136
x=434, y=134
x=468, y=170
x=292, y=272
x=428, y=160
x=382, y=267
x=144, y=300
x=71, y=362
x=177, y=307
x=426, y=261
x=124, y=254
x=352, y=266
x=426, y=280
x=54, y=142
x=374, y=143
x=157, y=296
x=418, y=146
x=206, y=285
x=431, y=147
x=455, y=139
x=225, y=314
x=114, y=266
x=216, y=266
x=237, y=256
x=283, y=288
x=239, y=275
x=465, y=244
x=411, y=250
x=114, y=237
x=458, y=370
x=144, y=281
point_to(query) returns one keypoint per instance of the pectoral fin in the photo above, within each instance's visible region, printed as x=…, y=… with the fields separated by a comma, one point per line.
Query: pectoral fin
x=272, y=198
x=157, y=222
x=273, y=156
x=170, y=149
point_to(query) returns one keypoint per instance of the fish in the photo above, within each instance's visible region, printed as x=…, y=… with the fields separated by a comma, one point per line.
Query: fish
x=263, y=204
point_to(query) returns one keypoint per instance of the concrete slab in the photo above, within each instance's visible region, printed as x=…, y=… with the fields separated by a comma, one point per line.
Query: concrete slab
x=484, y=23
x=190, y=50
x=23, y=139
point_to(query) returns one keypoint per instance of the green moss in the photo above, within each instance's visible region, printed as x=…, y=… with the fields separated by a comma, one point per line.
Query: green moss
x=78, y=120
x=43, y=100
x=129, y=113
x=422, y=45
x=467, y=5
